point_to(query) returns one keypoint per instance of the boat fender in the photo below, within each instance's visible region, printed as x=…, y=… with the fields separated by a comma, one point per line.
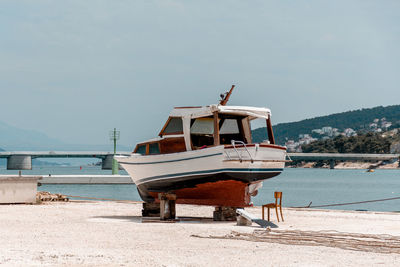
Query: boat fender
x=254, y=193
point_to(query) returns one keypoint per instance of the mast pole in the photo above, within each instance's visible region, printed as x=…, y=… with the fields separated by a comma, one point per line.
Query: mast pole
x=226, y=98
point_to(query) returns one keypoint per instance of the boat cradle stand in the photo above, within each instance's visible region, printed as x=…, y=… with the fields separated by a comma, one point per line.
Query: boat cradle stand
x=224, y=214
x=165, y=209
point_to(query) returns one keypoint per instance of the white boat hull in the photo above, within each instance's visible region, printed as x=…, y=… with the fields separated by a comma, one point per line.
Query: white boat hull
x=211, y=176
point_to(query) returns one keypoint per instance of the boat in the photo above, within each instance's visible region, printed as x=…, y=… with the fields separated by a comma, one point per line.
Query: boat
x=205, y=155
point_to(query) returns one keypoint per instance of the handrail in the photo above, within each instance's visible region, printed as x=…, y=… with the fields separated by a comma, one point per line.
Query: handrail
x=287, y=155
x=233, y=142
x=227, y=154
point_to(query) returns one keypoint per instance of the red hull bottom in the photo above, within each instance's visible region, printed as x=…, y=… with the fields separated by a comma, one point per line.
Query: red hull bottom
x=227, y=193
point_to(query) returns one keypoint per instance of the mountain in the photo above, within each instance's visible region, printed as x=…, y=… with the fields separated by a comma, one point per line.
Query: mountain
x=16, y=139
x=358, y=120
x=371, y=143
x=13, y=138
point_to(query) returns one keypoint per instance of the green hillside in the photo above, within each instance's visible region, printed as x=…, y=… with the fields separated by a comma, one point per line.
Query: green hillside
x=366, y=143
x=358, y=120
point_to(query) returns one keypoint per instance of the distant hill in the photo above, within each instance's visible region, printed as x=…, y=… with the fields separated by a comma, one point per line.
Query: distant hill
x=13, y=138
x=366, y=143
x=358, y=120
x=16, y=139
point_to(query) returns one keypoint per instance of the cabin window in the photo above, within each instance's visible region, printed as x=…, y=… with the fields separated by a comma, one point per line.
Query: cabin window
x=203, y=126
x=230, y=126
x=174, y=126
x=141, y=149
x=259, y=133
x=231, y=129
x=154, y=148
x=202, y=131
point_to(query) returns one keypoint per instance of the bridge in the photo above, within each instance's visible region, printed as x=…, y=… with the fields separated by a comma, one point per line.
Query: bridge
x=22, y=160
x=333, y=157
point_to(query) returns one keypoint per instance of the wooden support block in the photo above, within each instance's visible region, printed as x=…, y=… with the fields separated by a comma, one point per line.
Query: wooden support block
x=151, y=210
x=167, y=206
x=224, y=214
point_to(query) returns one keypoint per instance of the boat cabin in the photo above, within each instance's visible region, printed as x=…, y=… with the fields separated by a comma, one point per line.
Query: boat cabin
x=191, y=128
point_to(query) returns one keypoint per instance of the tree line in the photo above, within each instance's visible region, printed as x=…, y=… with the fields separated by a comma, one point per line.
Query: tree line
x=366, y=143
x=358, y=120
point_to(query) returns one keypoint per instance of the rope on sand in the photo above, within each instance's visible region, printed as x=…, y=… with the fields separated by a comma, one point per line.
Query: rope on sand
x=308, y=206
x=105, y=199
x=348, y=203
x=348, y=241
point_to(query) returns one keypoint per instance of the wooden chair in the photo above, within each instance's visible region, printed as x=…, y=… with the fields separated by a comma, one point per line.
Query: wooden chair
x=277, y=195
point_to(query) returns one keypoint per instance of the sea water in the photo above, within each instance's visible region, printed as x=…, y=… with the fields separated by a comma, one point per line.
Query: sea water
x=299, y=187
x=325, y=186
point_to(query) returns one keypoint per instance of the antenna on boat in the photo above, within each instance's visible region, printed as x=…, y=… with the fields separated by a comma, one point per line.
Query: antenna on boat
x=225, y=96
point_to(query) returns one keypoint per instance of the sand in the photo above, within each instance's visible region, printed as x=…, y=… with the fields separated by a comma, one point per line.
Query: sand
x=112, y=234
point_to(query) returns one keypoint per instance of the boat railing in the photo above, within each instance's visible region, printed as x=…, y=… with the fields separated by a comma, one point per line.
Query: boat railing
x=234, y=143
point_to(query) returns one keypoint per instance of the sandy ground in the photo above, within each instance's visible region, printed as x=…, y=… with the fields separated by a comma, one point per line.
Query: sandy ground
x=112, y=234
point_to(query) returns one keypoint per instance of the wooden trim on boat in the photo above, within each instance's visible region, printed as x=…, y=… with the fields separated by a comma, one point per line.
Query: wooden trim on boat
x=172, y=145
x=216, y=128
x=165, y=126
x=188, y=107
x=270, y=131
x=147, y=145
x=175, y=133
x=273, y=146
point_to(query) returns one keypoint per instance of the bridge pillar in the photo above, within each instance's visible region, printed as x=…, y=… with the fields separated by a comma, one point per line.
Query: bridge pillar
x=19, y=162
x=106, y=163
x=332, y=164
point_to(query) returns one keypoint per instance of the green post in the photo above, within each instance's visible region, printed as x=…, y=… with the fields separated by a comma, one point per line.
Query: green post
x=114, y=135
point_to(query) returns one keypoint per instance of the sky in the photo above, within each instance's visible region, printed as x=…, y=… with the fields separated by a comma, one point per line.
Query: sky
x=74, y=70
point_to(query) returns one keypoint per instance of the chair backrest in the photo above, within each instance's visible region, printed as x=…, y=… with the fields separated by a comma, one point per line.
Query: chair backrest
x=278, y=195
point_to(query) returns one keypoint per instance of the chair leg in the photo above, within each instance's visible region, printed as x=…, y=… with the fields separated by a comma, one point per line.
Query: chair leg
x=280, y=207
x=268, y=214
x=262, y=212
x=276, y=210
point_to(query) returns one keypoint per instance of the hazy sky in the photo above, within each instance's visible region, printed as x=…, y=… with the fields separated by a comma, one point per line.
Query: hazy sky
x=76, y=69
